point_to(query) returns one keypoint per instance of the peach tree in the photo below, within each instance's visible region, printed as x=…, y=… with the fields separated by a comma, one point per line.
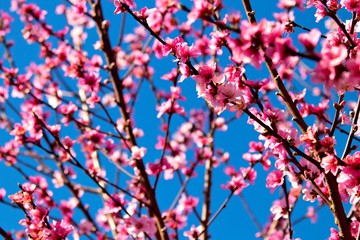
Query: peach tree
x=133, y=119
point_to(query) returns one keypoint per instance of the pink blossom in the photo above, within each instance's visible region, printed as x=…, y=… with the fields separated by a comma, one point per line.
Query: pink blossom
x=155, y=20
x=78, y=36
x=354, y=195
x=334, y=234
x=139, y=226
x=310, y=40
x=90, y=82
x=309, y=195
x=202, y=9
x=218, y=40
x=351, y=5
x=207, y=74
x=167, y=5
x=67, y=208
x=138, y=153
x=330, y=164
x=320, y=9
x=328, y=70
x=249, y=173
x=184, y=52
x=311, y=213
x=60, y=230
x=140, y=58
x=2, y=194
x=6, y=19
x=4, y=94
x=350, y=176
x=170, y=106
x=171, y=45
x=120, y=5
x=193, y=233
x=232, y=95
x=291, y=3
x=203, y=45
x=187, y=203
x=279, y=209
x=220, y=124
x=174, y=219
x=236, y=184
x=274, y=179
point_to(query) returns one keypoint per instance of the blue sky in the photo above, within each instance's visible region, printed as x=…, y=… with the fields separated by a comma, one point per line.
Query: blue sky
x=233, y=223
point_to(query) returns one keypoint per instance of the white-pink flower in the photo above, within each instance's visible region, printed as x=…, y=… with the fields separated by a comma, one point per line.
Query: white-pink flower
x=138, y=153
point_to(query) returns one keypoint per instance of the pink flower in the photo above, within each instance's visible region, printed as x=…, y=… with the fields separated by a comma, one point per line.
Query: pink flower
x=309, y=195
x=330, y=164
x=203, y=45
x=350, y=176
x=203, y=9
x=185, y=71
x=140, y=58
x=232, y=95
x=309, y=40
x=249, y=173
x=354, y=195
x=207, y=74
x=291, y=4
x=334, y=234
x=19, y=132
x=60, y=230
x=170, y=106
x=171, y=45
x=320, y=9
x=311, y=213
x=184, y=52
x=166, y=5
x=329, y=69
x=174, y=219
x=236, y=184
x=187, y=203
x=120, y=5
x=351, y=5
x=155, y=20
x=90, y=82
x=4, y=94
x=279, y=209
x=333, y=5
x=274, y=179
x=220, y=124
x=141, y=225
x=85, y=226
x=138, y=153
x=144, y=13
x=194, y=232
x=2, y=194
x=6, y=19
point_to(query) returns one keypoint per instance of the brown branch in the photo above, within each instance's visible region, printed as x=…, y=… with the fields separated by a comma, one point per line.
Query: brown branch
x=250, y=212
x=219, y=25
x=6, y=235
x=337, y=114
x=304, y=28
x=116, y=81
x=208, y=182
x=288, y=208
x=354, y=128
